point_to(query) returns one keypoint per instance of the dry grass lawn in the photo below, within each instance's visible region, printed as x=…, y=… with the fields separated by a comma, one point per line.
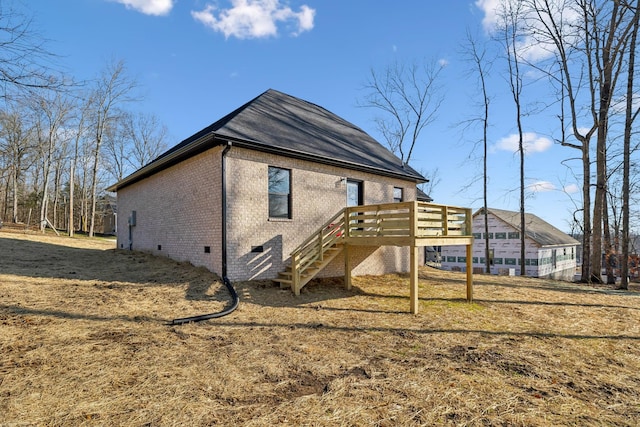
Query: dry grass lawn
x=85, y=340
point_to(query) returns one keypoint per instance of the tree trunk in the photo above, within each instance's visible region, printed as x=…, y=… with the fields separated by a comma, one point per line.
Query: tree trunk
x=45, y=186
x=14, y=184
x=72, y=174
x=586, y=213
x=609, y=250
x=629, y=118
x=94, y=186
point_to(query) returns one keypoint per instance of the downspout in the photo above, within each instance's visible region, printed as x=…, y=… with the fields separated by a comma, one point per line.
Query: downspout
x=225, y=279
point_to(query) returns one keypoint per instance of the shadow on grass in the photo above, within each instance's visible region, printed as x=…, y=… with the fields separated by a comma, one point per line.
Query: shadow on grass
x=26, y=311
x=320, y=326
x=105, y=269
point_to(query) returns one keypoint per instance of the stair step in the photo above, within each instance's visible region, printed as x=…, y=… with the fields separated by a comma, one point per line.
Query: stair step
x=285, y=278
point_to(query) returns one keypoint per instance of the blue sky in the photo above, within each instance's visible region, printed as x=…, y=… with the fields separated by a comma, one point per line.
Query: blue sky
x=197, y=60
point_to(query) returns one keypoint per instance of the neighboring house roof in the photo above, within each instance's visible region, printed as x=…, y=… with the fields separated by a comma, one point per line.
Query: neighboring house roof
x=278, y=123
x=536, y=229
x=422, y=196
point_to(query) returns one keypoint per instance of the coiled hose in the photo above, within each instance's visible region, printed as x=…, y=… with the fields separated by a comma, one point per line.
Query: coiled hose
x=234, y=304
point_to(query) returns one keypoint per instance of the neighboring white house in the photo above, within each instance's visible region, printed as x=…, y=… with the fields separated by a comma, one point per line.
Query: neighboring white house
x=549, y=253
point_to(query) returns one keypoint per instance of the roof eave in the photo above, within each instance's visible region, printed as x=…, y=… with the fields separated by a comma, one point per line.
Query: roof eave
x=212, y=139
x=255, y=145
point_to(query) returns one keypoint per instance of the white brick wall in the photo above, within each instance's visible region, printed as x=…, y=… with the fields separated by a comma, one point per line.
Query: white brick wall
x=179, y=213
x=178, y=210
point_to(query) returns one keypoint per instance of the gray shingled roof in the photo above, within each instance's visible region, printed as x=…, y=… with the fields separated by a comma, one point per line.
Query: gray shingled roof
x=279, y=123
x=536, y=229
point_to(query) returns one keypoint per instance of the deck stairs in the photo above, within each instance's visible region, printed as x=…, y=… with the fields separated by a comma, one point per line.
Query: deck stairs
x=314, y=254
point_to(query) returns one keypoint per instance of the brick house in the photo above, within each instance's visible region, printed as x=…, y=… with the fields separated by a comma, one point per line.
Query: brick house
x=238, y=196
x=549, y=253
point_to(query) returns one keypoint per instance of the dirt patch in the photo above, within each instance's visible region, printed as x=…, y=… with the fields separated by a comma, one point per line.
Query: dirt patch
x=85, y=340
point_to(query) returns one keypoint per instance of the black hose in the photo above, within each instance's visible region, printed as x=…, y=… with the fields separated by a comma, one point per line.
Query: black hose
x=234, y=305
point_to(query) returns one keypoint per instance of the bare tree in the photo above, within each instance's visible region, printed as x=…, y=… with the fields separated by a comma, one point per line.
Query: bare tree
x=481, y=67
x=25, y=61
x=112, y=89
x=511, y=17
x=408, y=98
x=587, y=38
x=52, y=110
x=137, y=139
x=80, y=130
x=15, y=145
x=148, y=138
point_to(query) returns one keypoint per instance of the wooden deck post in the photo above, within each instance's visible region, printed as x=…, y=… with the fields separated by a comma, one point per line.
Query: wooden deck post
x=469, y=273
x=347, y=267
x=414, y=279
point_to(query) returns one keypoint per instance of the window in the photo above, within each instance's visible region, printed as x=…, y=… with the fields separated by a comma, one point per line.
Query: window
x=501, y=235
x=279, y=192
x=354, y=193
x=514, y=235
x=398, y=194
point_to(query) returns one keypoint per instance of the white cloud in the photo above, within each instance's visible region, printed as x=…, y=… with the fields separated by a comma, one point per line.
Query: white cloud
x=530, y=48
x=149, y=7
x=443, y=62
x=541, y=187
x=571, y=188
x=532, y=142
x=248, y=19
x=490, y=9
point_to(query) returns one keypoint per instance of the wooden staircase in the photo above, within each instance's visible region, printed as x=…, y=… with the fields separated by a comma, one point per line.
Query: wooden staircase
x=314, y=254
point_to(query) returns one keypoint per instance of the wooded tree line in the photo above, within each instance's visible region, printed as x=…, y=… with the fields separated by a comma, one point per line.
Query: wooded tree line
x=62, y=141
x=572, y=60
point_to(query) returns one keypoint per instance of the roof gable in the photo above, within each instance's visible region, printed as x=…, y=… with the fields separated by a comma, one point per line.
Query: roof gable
x=536, y=229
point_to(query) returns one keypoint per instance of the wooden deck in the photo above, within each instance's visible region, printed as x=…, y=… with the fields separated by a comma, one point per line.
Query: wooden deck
x=411, y=224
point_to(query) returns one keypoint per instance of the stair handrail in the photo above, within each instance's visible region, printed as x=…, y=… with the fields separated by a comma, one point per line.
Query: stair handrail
x=313, y=236
x=315, y=242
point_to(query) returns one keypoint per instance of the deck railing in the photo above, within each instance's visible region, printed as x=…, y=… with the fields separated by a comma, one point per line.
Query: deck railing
x=407, y=219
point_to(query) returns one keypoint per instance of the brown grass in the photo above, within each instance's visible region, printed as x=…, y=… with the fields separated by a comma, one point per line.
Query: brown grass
x=85, y=340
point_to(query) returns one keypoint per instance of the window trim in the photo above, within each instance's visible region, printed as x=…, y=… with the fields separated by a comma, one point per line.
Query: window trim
x=289, y=215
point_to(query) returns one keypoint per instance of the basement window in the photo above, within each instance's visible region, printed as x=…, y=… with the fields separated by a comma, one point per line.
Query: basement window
x=279, y=193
